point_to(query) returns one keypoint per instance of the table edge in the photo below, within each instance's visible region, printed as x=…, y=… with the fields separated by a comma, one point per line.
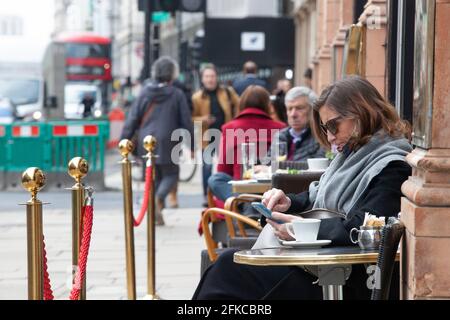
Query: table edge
x=360, y=258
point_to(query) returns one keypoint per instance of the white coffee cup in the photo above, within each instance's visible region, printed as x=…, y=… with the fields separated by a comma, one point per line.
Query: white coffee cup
x=303, y=230
x=318, y=163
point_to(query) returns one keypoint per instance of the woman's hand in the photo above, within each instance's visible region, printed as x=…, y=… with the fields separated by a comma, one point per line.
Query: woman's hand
x=276, y=200
x=280, y=229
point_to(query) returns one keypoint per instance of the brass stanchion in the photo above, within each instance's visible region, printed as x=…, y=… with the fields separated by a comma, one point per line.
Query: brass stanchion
x=125, y=148
x=33, y=180
x=150, y=145
x=78, y=168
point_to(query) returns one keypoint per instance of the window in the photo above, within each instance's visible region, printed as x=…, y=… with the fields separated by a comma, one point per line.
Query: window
x=78, y=50
x=20, y=92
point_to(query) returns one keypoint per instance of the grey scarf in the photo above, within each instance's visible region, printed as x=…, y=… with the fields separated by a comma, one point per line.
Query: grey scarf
x=347, y=178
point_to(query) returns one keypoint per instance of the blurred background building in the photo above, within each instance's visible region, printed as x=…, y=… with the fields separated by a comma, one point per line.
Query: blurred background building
x=123, y=23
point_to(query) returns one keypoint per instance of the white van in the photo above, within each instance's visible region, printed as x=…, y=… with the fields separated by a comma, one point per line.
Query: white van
x=26, y=92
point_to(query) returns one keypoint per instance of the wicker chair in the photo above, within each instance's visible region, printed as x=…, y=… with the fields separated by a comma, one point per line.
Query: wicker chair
x=390, y=239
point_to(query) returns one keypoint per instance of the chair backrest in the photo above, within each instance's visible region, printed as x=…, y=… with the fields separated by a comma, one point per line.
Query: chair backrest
x=294, y=183
x=390, y=239
x=297, y=165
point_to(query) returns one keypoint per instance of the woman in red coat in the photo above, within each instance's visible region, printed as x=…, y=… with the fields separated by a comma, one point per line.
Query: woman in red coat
x=254, y=125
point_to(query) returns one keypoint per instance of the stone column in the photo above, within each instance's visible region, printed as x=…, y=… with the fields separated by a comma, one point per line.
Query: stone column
x=374, y=52
x=329, y=20
x=425, y=254
x=303, y=42
x=346, y=19
x=298, y=47
x=320, y=27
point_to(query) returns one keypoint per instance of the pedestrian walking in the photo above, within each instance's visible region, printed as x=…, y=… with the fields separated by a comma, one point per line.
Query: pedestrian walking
x=213, y=105
x=160, y=109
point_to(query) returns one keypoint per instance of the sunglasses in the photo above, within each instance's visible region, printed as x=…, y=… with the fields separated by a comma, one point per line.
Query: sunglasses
x=331, y=125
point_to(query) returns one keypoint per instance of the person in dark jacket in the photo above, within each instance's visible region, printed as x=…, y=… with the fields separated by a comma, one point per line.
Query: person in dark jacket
x=88, y=102
x=250, y=78
x=169, y=112
x=366, y=176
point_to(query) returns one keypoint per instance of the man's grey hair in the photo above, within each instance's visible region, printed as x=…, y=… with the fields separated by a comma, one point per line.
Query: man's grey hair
x=165, y=69
x=298, y=92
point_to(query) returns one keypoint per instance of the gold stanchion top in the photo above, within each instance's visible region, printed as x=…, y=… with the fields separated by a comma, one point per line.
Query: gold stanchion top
x=125, y=147
x=33, y=180
x=150, y=144
x=78, y=168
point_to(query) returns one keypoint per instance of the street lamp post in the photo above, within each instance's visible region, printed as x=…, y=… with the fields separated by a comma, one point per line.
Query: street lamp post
x=147, y=39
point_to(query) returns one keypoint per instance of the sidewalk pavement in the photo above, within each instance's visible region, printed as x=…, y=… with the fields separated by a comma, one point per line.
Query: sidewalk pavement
x=178, y=245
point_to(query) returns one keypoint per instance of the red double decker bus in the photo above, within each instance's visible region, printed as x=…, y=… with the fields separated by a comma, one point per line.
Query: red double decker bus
x=88, y=57
x=87, y=71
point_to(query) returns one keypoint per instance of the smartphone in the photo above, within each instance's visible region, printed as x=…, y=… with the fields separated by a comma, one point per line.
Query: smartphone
x=258, y=206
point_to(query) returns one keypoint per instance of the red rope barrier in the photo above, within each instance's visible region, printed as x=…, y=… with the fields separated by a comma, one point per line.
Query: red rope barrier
x=88, y=215
x=48, y=293
x=148, y=182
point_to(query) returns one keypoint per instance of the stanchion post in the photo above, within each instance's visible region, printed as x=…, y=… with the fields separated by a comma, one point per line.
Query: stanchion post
x=150, y=146
x=125, y=148
x=33, y=180
x=78, y=168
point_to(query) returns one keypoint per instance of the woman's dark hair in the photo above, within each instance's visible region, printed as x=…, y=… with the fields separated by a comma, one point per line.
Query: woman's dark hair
x=279, y=106
x=356, y=98
x=255, y=97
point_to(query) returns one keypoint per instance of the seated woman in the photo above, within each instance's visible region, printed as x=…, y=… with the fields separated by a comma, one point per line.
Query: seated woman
x=366, y=176
x=253, y=124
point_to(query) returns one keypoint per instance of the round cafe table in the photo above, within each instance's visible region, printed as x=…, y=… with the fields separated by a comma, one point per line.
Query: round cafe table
x=332, y=265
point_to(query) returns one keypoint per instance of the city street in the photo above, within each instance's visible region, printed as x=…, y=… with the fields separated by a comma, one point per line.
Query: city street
x=178, y=244
x=325, y=119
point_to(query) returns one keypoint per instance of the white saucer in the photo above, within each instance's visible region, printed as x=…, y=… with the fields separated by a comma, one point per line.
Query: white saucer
x=302, y=244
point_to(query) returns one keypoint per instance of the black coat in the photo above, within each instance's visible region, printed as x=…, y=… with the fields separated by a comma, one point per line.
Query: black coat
x=381, y=198
x=170, y=112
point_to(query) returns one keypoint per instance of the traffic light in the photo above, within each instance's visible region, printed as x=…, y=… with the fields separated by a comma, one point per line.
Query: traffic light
x=173, y=5
x=196, y=51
